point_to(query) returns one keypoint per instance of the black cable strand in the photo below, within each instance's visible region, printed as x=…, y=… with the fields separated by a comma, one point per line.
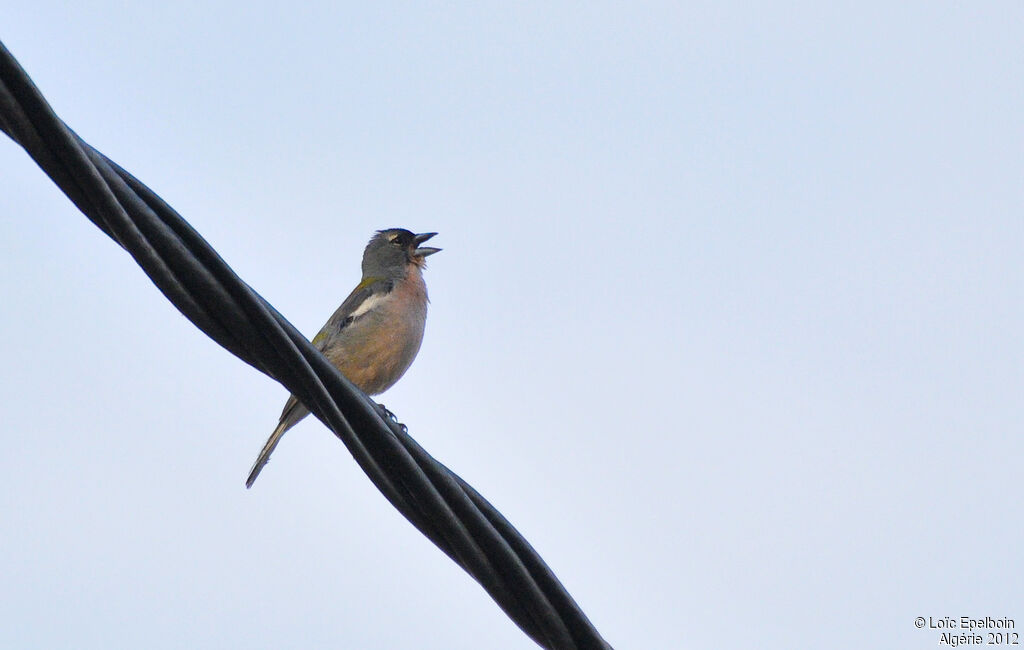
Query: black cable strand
x=447, y=510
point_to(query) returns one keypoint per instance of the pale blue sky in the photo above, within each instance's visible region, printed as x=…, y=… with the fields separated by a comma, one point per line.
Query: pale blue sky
x=727, y=322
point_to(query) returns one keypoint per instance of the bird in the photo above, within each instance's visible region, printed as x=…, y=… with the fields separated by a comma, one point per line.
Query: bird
x=373, y=337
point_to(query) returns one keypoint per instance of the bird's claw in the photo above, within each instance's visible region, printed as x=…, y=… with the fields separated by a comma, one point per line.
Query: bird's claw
x=391, y=416
x=387, y=413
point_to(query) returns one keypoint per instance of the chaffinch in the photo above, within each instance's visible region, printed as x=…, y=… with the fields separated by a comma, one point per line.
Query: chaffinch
x=375, y=334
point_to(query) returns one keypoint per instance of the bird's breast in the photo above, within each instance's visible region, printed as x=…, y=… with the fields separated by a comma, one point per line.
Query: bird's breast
x=376, y=350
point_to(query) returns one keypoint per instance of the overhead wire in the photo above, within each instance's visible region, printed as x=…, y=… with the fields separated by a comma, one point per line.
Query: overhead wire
x=201, y=285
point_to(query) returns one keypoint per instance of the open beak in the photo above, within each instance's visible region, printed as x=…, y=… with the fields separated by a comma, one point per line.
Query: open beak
x=423, y=251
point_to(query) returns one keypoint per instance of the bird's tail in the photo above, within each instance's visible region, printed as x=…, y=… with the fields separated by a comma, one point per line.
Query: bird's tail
x=266, y=451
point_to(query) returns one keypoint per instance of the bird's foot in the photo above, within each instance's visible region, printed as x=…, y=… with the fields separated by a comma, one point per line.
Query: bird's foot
x=387, y=413
x=391, y=416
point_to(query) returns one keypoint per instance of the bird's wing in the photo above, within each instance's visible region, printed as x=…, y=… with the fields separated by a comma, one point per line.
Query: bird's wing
x=362, y=299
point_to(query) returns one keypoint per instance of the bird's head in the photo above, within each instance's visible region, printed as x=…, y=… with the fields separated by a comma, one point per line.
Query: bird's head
x=391, y=251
